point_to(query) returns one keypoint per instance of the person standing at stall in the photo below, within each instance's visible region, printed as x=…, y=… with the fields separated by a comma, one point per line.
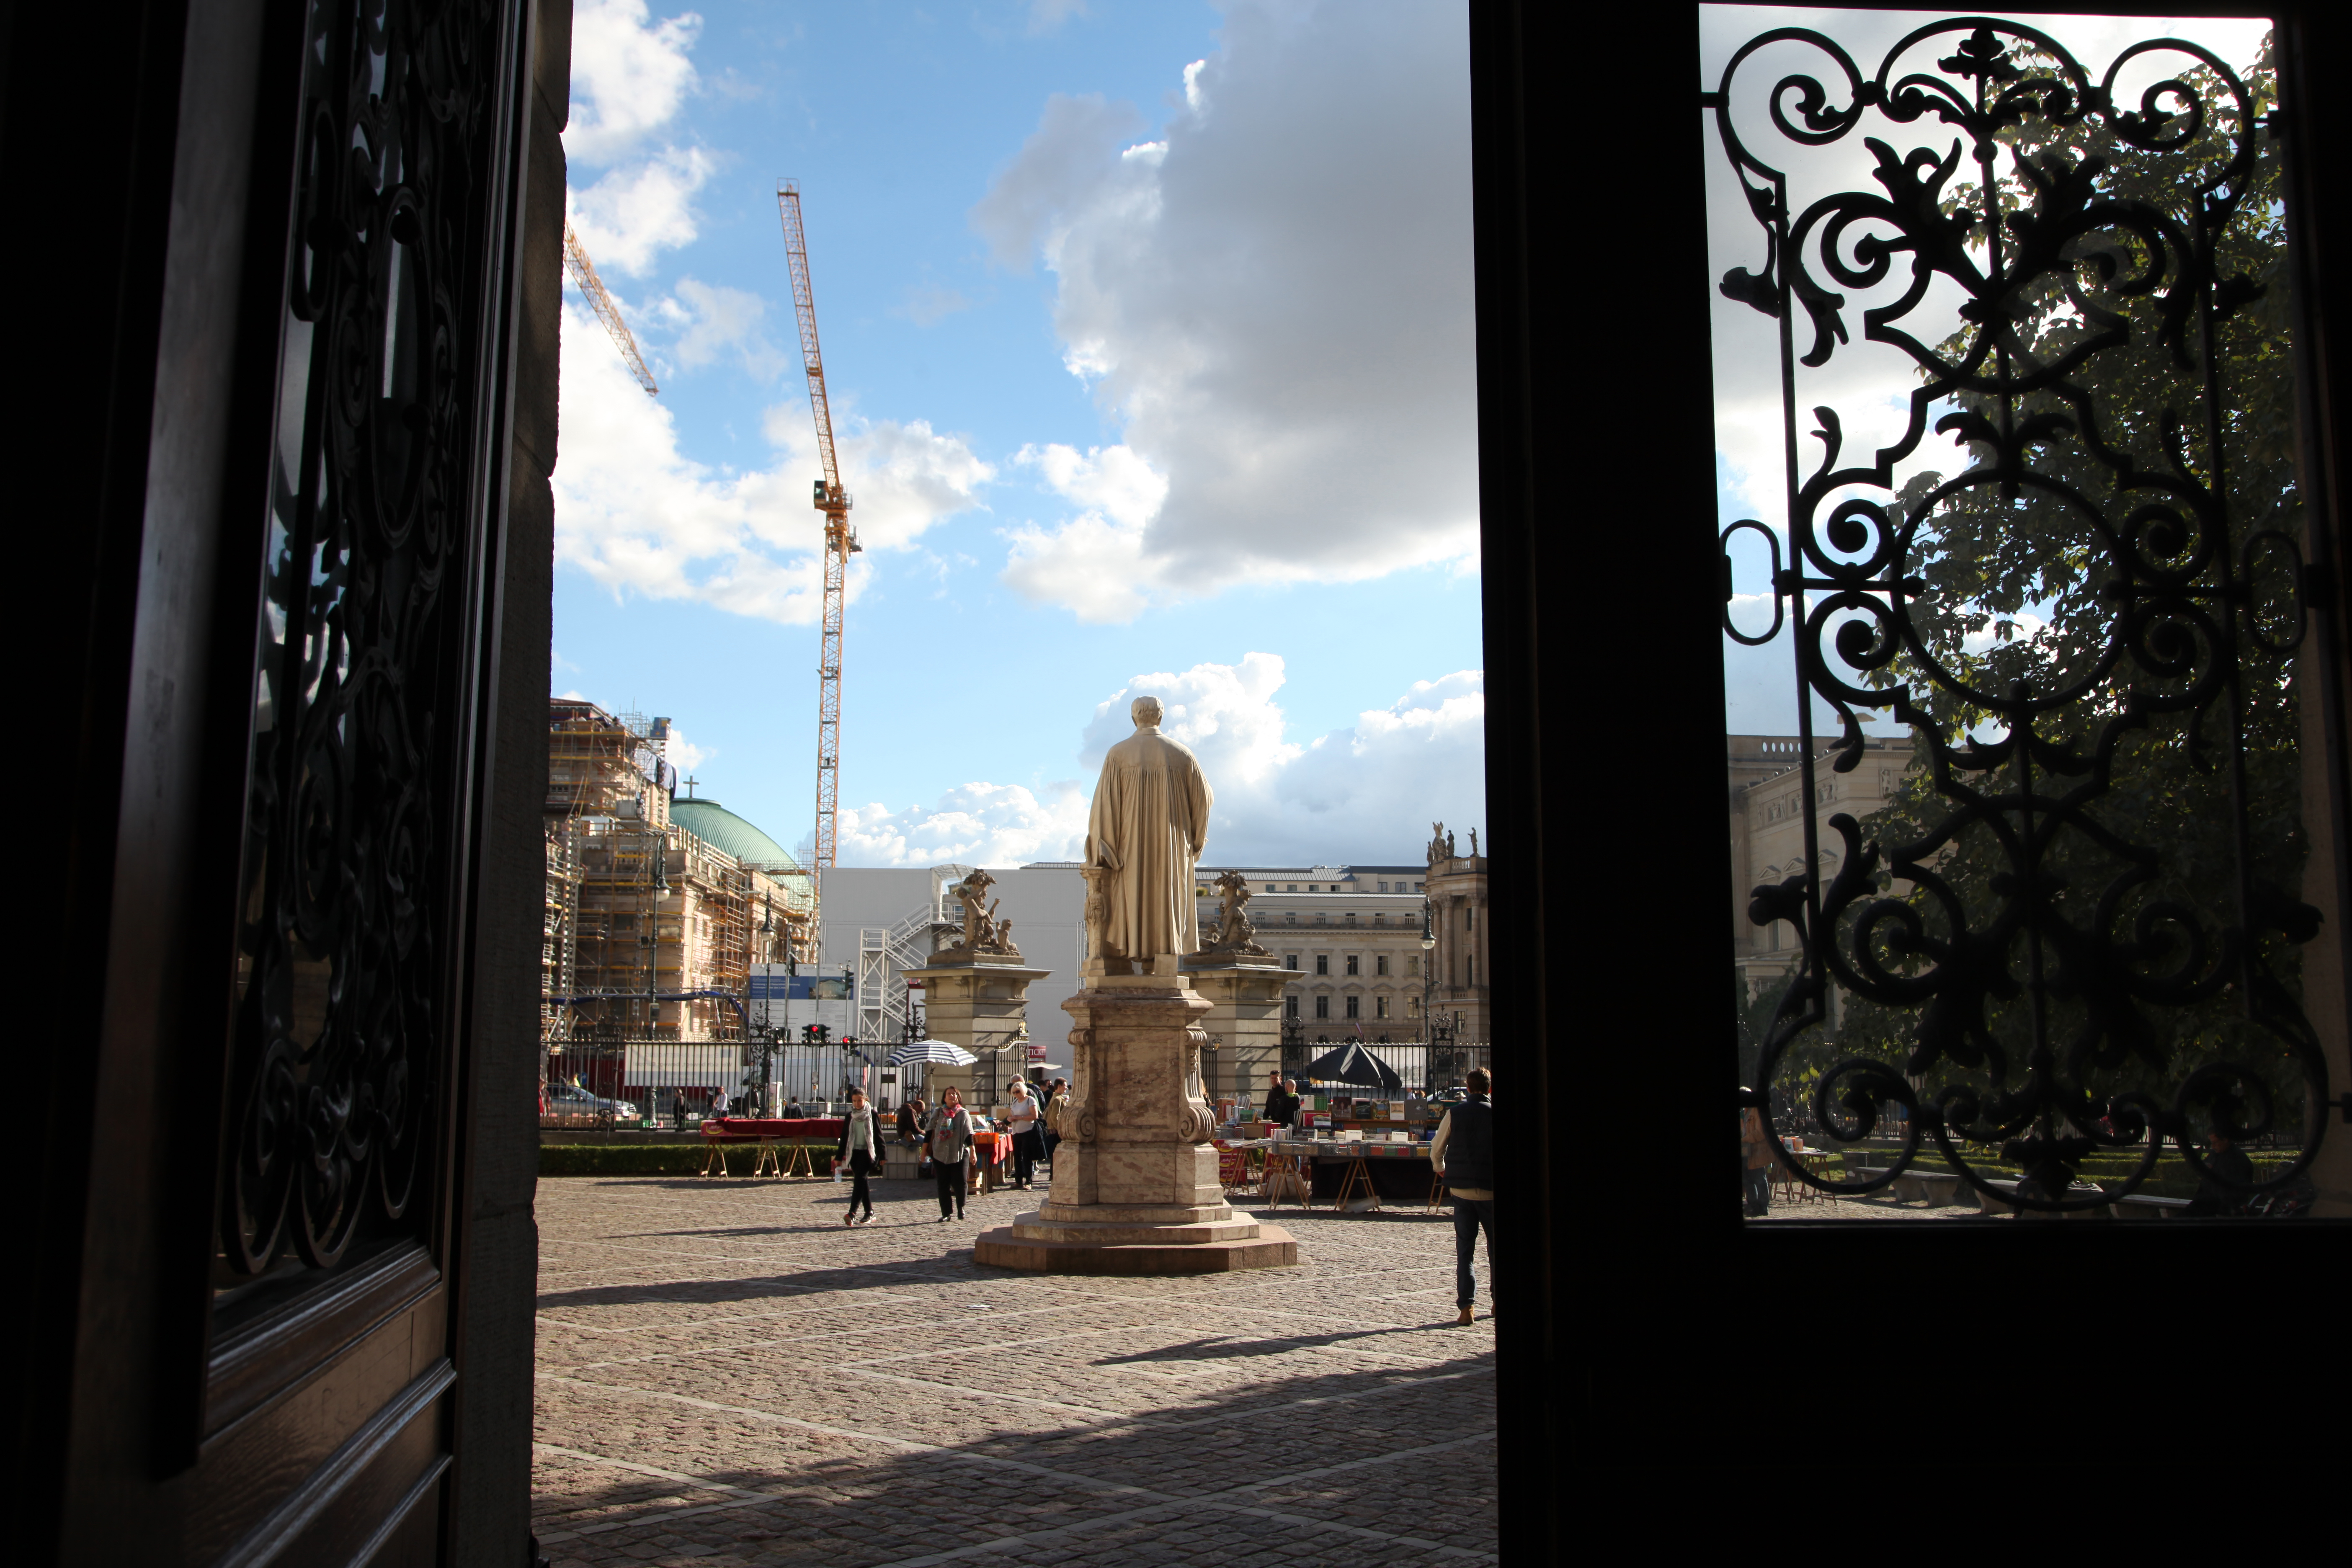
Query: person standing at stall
x=949, y=1131
x=861, y=1147
x=1281, y=1105
x=1020, y=1120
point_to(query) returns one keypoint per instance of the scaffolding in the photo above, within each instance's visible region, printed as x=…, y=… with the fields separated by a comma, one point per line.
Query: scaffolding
x=650, y=933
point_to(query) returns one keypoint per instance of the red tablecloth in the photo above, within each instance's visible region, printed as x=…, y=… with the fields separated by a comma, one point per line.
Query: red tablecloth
x=994, y=1148
x=803, y=1128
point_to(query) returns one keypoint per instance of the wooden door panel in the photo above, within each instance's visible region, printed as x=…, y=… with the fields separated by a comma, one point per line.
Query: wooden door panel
x=295, y=1453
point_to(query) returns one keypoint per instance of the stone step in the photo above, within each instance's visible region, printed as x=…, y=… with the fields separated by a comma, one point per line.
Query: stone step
x=1272, y=1247
x=1029, y=1227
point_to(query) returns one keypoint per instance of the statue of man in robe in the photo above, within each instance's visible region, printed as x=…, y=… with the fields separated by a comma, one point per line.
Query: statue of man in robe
x=1150, y=819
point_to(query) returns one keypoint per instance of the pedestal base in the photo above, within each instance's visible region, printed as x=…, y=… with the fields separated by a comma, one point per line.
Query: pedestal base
x=1214, y=1246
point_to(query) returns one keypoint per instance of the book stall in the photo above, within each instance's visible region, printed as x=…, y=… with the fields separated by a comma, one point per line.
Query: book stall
x=1347, y=1151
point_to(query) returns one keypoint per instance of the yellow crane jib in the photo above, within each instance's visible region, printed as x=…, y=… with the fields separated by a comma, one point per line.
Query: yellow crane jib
x=583, y=276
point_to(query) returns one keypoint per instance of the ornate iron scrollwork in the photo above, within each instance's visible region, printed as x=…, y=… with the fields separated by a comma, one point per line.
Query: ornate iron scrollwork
x=2080, y=918
x=341, y=1024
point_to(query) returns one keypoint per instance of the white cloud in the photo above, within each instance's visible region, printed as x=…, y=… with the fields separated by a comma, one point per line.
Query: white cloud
x=724, y=321
x=1047, y=16
x=683, y=754
x=1275, y=298
x=1366, y=793
x=630, y=76
x=977, y=824
x=638, y=515
x=635, y=212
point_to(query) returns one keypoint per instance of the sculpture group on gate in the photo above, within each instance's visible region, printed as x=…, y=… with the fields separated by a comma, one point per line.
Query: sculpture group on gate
x=984, y=936
x=1235, y=931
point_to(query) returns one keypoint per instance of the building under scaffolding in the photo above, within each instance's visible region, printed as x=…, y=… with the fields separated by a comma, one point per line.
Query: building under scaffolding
x=656, y=909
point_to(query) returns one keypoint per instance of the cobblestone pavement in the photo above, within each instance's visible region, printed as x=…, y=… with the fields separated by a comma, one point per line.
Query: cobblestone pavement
x=726, y=1376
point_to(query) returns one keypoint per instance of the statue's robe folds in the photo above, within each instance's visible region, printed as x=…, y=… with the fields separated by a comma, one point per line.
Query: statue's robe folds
x=1150, y=818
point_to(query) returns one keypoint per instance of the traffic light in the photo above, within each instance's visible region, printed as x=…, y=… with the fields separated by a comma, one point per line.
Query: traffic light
x=824, y=1032
x=808, y=1033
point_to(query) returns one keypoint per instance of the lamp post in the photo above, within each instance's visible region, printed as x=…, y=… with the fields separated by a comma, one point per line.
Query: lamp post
x=1428, y=966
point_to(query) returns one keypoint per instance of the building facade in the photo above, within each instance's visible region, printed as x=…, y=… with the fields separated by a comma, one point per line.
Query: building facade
x=656, y=906
x=1769, y=811
x=1351, y=935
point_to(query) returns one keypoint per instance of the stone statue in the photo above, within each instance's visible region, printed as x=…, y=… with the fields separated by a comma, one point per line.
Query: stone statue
x=1235, y=932
x=1441, y=843
x=983, y=934
x=1474, y=844
x=1150, y=820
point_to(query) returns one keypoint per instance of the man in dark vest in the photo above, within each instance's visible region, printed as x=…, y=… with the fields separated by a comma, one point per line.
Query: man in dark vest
x=1464, y=1154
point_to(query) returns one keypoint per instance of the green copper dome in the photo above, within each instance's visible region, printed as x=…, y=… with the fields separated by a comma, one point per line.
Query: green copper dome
x=724, y=831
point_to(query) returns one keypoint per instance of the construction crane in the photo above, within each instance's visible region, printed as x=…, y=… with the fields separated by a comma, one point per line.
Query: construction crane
x=840, y=542
x=583, y=273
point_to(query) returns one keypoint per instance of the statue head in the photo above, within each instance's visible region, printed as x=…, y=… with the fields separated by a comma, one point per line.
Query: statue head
x=1145, y=710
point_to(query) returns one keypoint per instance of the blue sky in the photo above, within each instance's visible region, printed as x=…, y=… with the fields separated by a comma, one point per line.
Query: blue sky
x=1148, y=334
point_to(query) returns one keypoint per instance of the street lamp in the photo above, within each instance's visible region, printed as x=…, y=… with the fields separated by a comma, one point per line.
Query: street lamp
x=1428, y=964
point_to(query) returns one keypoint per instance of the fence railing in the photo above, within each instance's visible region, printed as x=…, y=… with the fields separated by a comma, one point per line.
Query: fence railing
x=670, y=1085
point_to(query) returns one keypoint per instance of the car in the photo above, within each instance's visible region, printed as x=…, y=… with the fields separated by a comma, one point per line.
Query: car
x=569, y=1105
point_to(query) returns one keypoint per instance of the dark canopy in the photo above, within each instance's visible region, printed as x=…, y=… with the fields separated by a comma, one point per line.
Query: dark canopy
x=1353, y=1064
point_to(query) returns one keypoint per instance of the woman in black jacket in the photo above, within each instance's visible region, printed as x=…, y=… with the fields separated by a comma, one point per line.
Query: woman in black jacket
x=861, y=1149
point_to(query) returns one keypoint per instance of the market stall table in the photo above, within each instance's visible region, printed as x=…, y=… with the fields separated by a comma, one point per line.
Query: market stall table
x=803, y=1136
x=1345, y=1169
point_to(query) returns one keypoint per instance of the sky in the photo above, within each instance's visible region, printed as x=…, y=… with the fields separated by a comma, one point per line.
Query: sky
x=1148, y=336
x=1869, y=384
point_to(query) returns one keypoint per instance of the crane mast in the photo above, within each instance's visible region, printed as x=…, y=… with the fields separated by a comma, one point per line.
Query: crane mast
x=840, y=542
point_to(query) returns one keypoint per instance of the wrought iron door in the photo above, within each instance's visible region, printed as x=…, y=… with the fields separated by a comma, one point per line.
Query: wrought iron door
x=2075, y=936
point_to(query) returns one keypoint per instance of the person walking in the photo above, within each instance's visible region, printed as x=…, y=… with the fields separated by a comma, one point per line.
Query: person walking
x=861, y=1149
x=1464, y=1154
x=1755, y=1162
x=949, y=1131
x=1021, y=1121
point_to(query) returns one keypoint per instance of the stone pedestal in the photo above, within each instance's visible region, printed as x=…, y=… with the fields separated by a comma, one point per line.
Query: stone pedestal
x=1243, y=1023
x=1135, y=1179
x=980, y=1005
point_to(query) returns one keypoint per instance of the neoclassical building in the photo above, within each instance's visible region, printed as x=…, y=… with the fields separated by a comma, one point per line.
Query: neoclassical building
x=1768, y=829
x=1350, y=934
x=1353, y=936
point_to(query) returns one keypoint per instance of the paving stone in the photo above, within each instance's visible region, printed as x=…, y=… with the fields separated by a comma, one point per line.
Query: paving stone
x=726, y=1376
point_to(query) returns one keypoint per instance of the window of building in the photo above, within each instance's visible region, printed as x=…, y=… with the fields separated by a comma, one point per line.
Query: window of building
x=1322, y=963
x=1322, y=919
x=1383, y=887
x=1379, y=1006
x=1469, y=919
x=1289, y=961
x=1353, y=1004
x=1421, y=887
x=1322, y=1006
x=1352, y=962
x=1412, y=1007
x=1380, y=964
x=1349, y=917
x=1412, y=963
x=1290, y=917
x=1294, y=886
x=1269, y=887
x=1290, y=1007
x=1473, y=964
